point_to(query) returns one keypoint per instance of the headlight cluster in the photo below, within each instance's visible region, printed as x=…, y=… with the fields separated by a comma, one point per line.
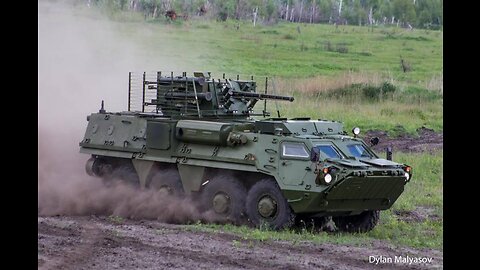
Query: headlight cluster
x=408, y=173
x=327, y=175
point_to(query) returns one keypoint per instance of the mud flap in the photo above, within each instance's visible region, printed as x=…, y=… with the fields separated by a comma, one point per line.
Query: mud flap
x=191, y=176
x=143, y=168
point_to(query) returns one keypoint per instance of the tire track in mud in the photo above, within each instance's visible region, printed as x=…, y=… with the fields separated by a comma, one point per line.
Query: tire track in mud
x=185, y=249
x=103, y=243
x=311, y=256
x=325, y=255
x=80, y=236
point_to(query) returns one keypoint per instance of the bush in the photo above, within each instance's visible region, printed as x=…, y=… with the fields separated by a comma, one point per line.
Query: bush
x=273, y=32
x=388, y=88
x=342, y=48
x=288, y=36
x=364, y=91
x=328, y=46
x=371, y=92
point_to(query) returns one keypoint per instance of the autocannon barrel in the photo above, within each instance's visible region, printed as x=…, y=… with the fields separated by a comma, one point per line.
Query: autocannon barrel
x=169, y=80
x=180, y=95
x=259, y=95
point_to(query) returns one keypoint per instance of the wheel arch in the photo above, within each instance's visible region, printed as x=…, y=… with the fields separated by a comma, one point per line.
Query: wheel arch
x=247, y=178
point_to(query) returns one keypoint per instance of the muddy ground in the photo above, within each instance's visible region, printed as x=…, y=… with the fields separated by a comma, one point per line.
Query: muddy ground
x=91, y=242
x=101, y=242
x=426, y=140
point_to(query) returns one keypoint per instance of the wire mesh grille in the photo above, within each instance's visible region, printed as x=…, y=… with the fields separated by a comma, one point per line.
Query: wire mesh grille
x=179, y=93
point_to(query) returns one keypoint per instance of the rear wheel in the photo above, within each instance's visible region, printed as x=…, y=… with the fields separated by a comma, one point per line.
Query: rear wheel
x=362, y=223
x=167, y=182
x=126, y=174
x=226, y=198
x=98, y=166
x=266, y=206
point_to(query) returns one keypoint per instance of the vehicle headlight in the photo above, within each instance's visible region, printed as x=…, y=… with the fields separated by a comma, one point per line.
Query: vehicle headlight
x=356, y=131
x=327, y=178
x=408, y=172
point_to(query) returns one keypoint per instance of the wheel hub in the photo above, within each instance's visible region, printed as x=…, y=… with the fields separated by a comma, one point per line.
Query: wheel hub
x=221, y=202
x=267, y=207
x=166, y=190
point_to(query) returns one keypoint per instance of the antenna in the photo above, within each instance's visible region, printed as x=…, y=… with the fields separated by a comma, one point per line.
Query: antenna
x=102, y=110
x=196, y=98
x=265, y=102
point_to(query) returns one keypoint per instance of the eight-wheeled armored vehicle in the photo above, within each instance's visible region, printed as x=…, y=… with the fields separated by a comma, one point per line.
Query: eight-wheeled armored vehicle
x=199, y=136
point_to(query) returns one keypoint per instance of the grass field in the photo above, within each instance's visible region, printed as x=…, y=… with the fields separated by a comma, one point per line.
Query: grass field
x=310, y=62
x=302, y=50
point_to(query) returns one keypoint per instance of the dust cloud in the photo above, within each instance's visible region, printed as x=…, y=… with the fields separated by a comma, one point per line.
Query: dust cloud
x=84, y=58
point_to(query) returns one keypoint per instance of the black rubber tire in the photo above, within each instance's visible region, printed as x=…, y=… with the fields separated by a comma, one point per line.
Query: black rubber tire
x=312, y=224
x=362, y=223
x=101, y=167
x=169, y=179
x=236, y=193
x=282, y=218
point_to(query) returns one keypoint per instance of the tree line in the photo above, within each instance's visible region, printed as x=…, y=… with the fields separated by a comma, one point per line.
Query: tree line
x=401, y=13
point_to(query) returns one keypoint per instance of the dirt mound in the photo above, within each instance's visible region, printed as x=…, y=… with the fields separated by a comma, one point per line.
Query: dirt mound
x=427, y=140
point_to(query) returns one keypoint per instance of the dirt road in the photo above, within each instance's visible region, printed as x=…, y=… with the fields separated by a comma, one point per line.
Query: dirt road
x=91, y=242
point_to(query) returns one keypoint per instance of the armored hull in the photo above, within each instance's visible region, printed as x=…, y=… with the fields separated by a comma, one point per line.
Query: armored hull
x=266, y=171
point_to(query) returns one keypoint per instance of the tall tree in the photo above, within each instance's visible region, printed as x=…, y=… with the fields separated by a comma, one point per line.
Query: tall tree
x=430, y=13
x=404, y=10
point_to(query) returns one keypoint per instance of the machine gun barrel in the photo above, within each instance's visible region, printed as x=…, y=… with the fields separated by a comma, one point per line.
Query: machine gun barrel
x=259, y=95
x=181, y=95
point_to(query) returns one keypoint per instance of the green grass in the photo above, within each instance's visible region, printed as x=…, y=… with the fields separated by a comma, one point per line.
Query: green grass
x=385, y=115
x=425, y=190
x=306, y=64
x=426, y=187
x=281, y=51
x=247, y=234
x=116, y=219
x=295, y=59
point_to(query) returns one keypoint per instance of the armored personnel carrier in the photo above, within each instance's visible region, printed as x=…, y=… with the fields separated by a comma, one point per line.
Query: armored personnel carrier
x=199, y=136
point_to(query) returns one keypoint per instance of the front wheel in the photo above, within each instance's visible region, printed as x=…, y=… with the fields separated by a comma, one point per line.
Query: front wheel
x=362, y=223
x=266, y=206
